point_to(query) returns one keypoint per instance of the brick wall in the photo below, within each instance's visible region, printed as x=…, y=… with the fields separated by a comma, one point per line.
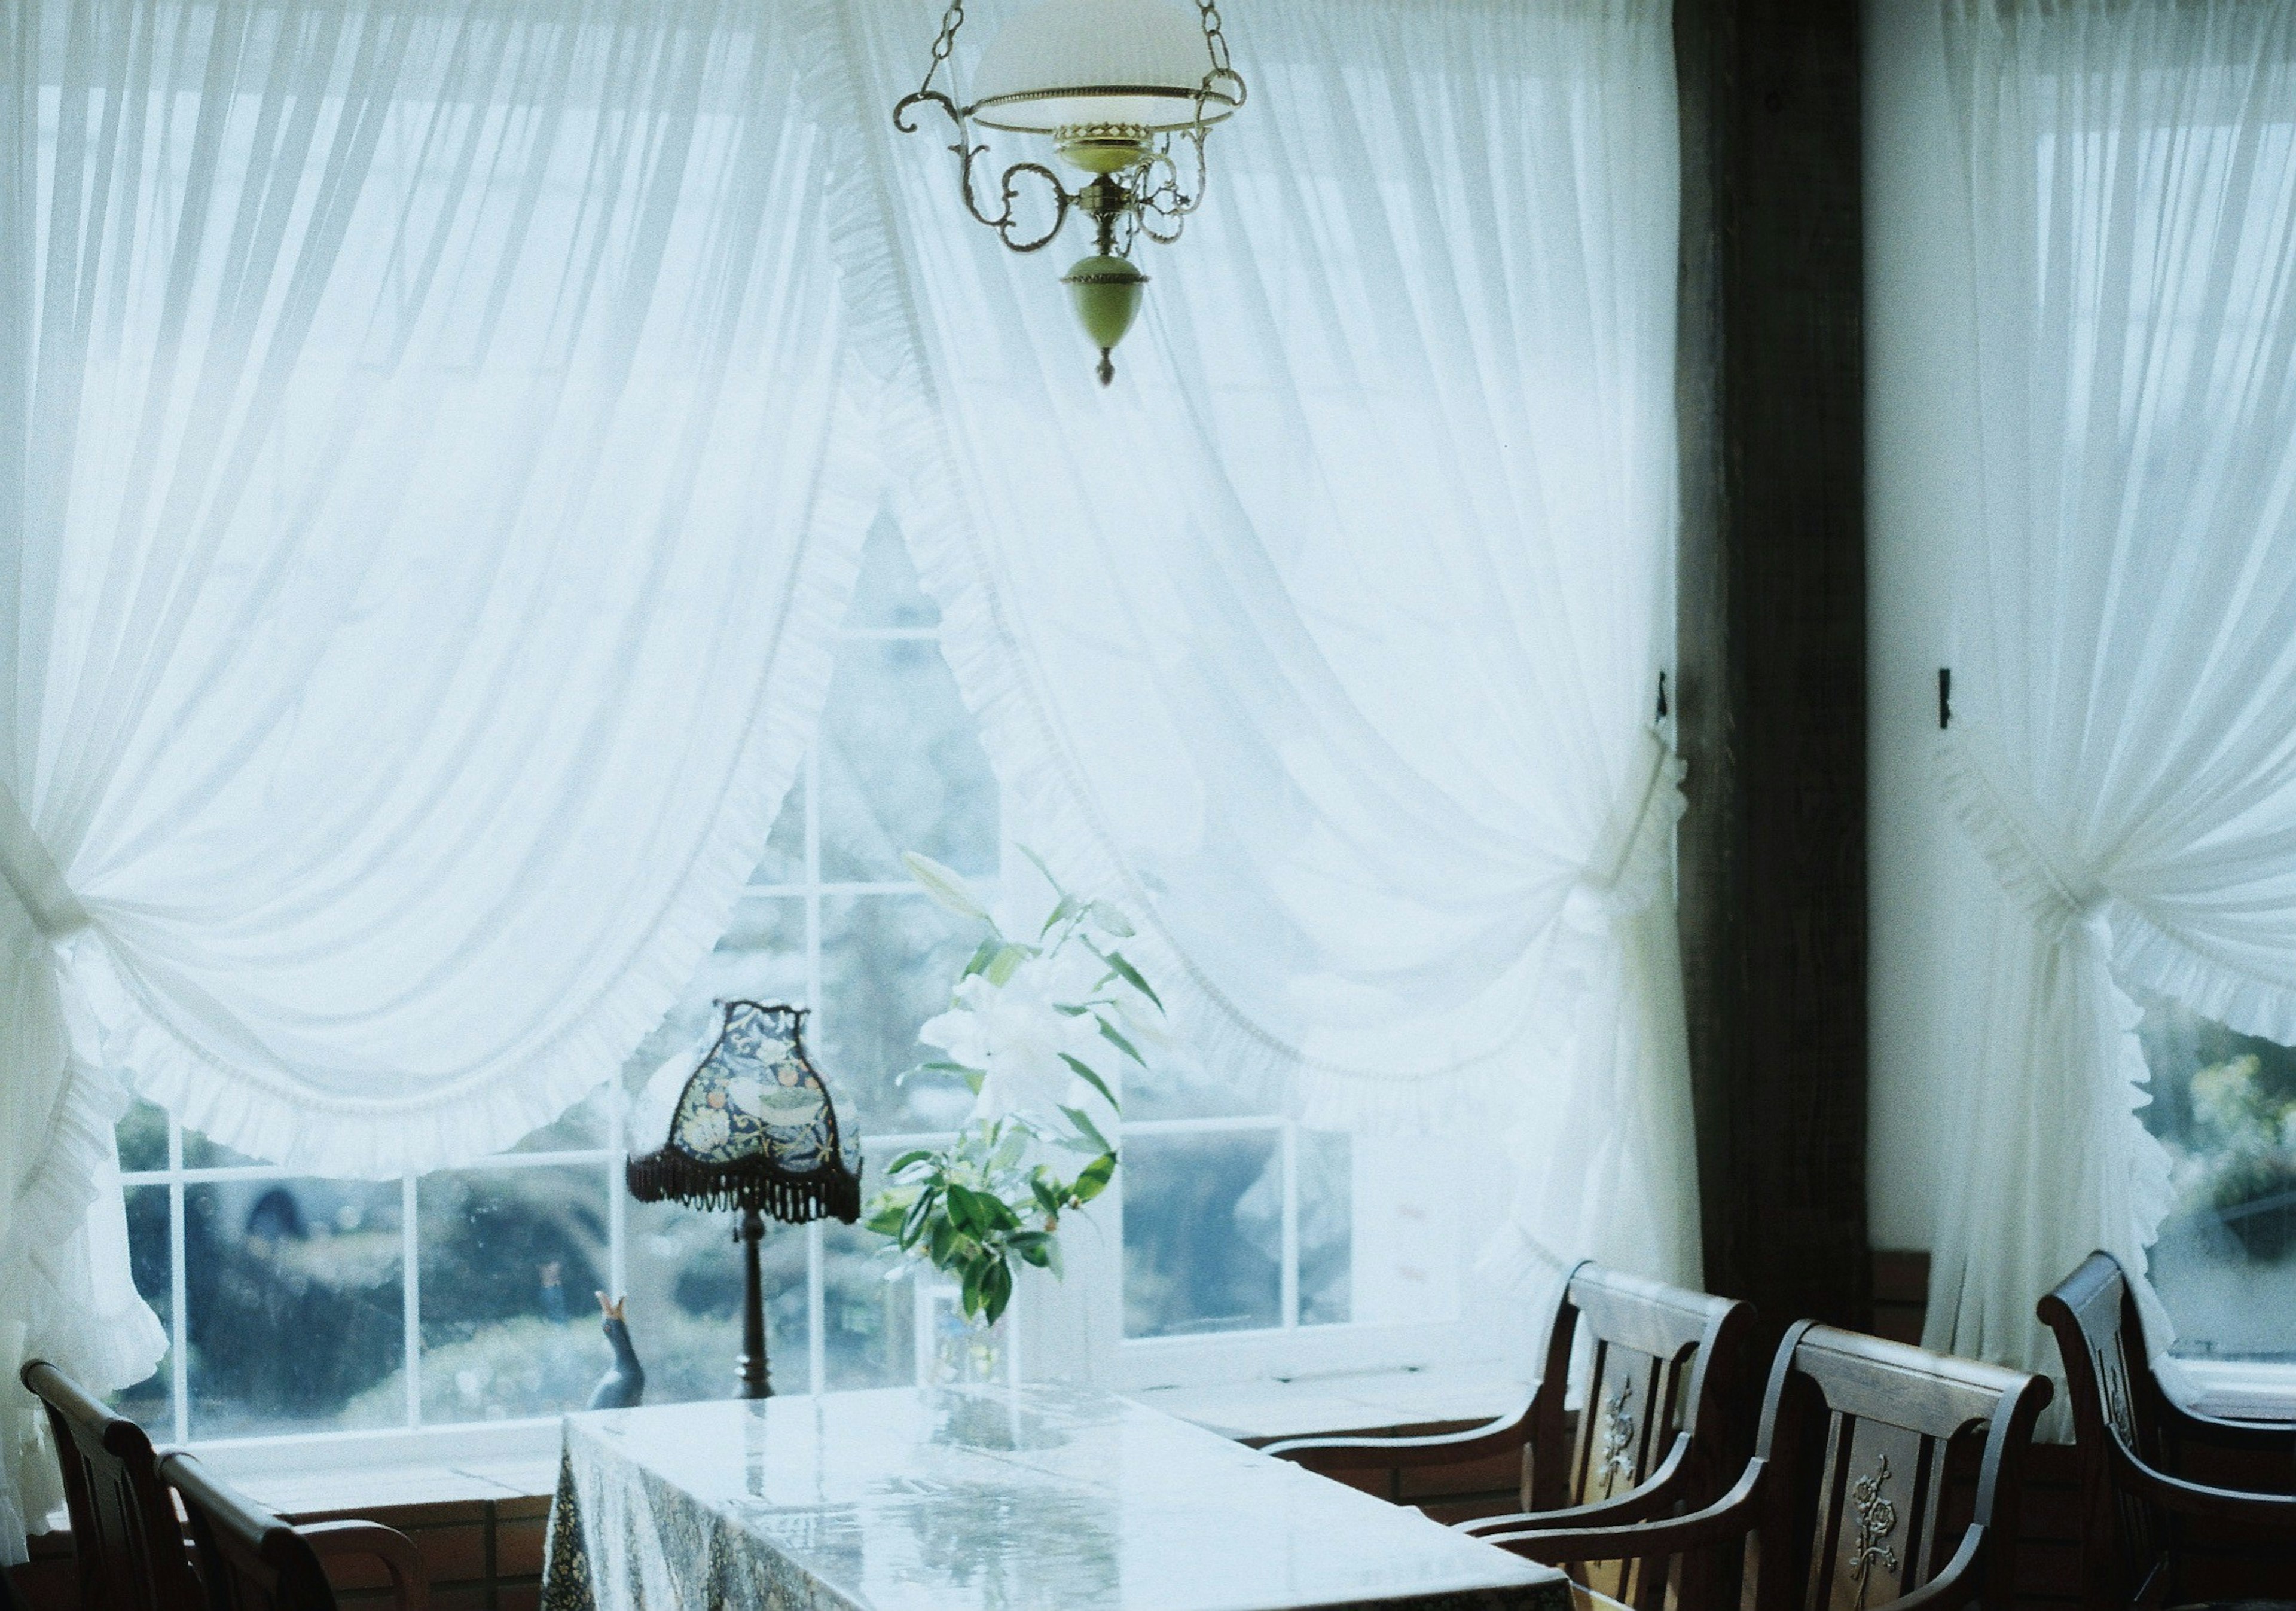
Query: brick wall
x=481, y=1555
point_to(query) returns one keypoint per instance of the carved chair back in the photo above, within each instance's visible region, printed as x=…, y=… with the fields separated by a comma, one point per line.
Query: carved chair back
x=2111, y=1388
x=2134, y=1443
x=255, y=1561
x=1660, y=1362
x=126, y=1537
x=252, y=1560
x=1650, y=1352
x=1866, y=1440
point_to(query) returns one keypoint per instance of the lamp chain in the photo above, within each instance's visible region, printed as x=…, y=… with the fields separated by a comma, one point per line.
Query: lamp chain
x=1213, y=37
x=951, y=20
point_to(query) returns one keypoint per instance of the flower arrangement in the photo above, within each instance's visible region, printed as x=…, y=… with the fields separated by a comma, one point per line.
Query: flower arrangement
x=1026, y=1022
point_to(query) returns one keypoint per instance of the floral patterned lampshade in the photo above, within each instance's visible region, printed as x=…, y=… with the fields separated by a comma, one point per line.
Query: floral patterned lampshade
x=752, y=1128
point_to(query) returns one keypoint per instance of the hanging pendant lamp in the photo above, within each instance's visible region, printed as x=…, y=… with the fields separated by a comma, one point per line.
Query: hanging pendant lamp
x=1117, y=87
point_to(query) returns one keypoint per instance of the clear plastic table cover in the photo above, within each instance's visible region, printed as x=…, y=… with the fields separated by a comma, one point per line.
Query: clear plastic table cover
x=1002, y=1498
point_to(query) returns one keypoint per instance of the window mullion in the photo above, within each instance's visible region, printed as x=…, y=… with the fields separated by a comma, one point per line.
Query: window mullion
x=1289, y=1275
x=179, y=1370
x=816, y=1310
x=815, y=1320
x=618, y=1144
x=411, y=1298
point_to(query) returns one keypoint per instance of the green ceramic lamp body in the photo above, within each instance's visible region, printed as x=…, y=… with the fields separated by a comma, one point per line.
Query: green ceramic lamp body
x=1106, y=292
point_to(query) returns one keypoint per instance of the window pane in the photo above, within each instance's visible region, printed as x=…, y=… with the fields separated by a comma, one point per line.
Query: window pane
x=1327, y=1221
x=886, y=593
x=2224, y=1107
x=143, y=1138
x=901, y=766
x=869, y=1334
x=151, y=1401
x=293, y=1296
x=684, y=1305
x=1203, y=1233
x=888, y=963
x=510, y=1261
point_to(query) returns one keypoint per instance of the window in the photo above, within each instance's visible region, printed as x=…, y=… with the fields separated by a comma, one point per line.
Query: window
x=299, y=1305
x=2224, y=1104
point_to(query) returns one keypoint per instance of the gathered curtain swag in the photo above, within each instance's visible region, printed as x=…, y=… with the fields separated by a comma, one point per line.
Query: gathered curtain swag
x=406, y=405
x=410, y=404
x=1327, y=640
x=2123, y=752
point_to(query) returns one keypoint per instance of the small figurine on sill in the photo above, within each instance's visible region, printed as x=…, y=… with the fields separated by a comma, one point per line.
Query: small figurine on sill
x=623, y=1387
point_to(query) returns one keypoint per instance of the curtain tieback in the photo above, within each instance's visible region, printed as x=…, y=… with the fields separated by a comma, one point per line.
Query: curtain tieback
x=2031, y=859
x=1629, y=864
x=32, y=873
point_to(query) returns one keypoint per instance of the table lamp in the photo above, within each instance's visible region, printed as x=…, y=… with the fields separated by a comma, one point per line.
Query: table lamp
x=751, y=1127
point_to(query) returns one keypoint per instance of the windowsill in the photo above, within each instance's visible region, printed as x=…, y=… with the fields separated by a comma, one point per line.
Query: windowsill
x=2239, y=1391
x=321, y=1476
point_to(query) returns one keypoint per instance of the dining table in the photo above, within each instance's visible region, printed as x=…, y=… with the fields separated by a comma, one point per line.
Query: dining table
x=985, y=1498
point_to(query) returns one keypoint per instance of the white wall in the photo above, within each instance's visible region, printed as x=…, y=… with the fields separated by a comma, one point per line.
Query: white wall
x=1920, y=445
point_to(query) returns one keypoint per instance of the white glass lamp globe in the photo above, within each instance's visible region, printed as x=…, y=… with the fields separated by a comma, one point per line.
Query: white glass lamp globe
x=1067, y=65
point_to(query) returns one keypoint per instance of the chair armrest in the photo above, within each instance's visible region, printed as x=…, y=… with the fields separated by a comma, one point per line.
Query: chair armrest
x=1509, y=1431
x=1660, y=1493
x=1955, y=1587
x=2272, y=1513
x=2264, y=1437
x=1731, y=1517
x=410, y=1585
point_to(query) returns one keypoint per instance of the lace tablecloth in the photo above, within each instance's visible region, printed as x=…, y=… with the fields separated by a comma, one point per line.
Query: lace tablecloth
x=965, y=1499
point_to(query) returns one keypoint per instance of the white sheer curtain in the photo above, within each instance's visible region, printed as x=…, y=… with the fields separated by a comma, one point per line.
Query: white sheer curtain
x=1330, y=635
x=419, y=535
x=2124, y=746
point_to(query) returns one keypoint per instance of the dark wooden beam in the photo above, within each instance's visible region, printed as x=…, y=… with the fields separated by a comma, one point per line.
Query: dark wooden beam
x=1772, y=650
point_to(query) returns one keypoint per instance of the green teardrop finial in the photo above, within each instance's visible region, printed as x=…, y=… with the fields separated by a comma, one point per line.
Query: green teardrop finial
x=1106, y=292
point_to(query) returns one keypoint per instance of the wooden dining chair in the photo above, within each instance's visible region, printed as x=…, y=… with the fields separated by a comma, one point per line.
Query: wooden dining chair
x=1665, y=1366
x=128, y=1542
x=1855, y=1497
x=254, y=1561
x=2133, y=1442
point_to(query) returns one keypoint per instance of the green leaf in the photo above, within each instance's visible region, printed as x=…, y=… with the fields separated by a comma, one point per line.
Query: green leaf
x=920, y=1212
x=1111, y=919
x=1095, y=1177
x=1108, y=1033
x=1090, y=1131
x=1084, y=1072
x=997, y=1289
x=939, y=1239
x=965, y=1210
x=887, y=1221
x=946, y=887
x=1132, y=976
x=1068, y=907
x=968, y=1291
x=1053, y=1261
x=1038, y=861
x=1047, y=1190
x=917, y=1156
x=982, y=958
x=1006, y=963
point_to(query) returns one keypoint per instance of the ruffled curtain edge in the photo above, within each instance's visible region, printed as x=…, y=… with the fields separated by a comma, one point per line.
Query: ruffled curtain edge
x=491, y=1109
